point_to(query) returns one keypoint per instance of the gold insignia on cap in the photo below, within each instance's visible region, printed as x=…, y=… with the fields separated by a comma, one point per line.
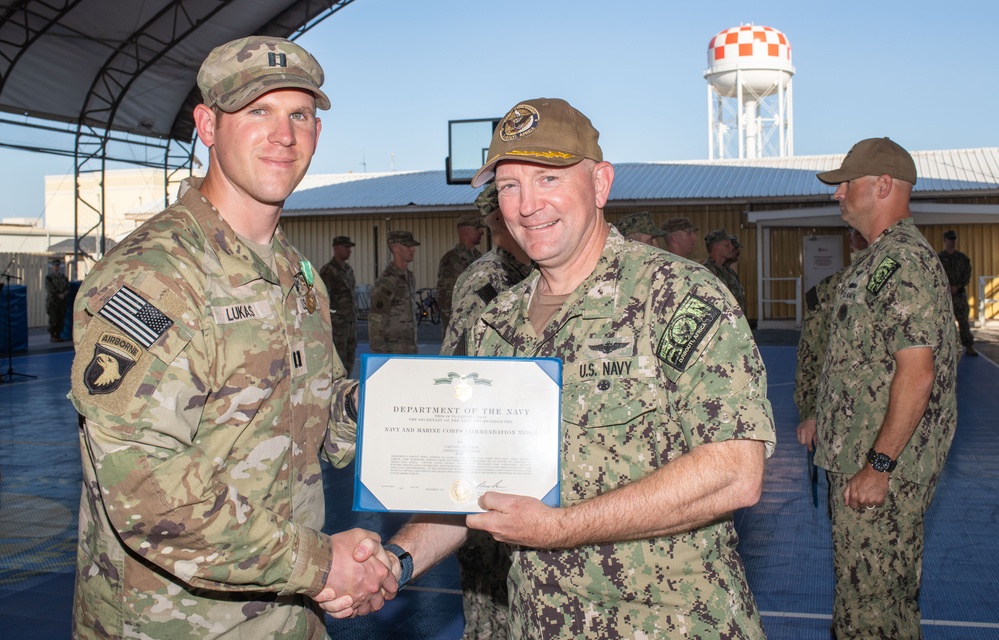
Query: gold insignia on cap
x=540, y=154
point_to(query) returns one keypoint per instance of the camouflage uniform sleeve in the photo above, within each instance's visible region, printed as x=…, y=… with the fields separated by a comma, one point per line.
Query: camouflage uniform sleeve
x=467, y=308
x=812, y=346
x=707, y=351
x=378, y=314
x=342, y=434
x=963, y=271
x=901, y=289
x=162, y=494
x=447, y=275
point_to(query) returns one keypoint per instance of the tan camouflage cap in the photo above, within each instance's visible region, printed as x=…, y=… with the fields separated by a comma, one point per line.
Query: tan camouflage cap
x=873, y=157
x=678, y=224
x=343, y=241
x=405, y=238
x=546, y=131
x=470, y=220
x=238, y=72
x=716, y=236
x=488, y=200
x=640, y=222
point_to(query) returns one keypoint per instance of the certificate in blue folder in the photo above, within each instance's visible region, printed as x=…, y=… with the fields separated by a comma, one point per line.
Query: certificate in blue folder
x=435, y=433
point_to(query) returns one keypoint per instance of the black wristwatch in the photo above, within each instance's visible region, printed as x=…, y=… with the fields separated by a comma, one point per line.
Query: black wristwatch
x=881, y=462
x=405, y=562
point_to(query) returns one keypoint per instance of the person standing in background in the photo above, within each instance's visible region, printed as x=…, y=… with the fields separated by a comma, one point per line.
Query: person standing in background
x=958, y=268
x=392, y=316
x=338, y=276
x=56, y=291
x=452, y=263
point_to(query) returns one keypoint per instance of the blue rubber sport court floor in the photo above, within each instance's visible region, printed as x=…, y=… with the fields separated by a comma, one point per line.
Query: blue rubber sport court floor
x=785, y=540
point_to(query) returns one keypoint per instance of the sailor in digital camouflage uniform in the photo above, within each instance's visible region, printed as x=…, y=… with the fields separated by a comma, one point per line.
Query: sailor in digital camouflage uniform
x=957, y=266
x=455, y=261
x=886, y=403
x=338, y=276
x=679, y=236
x=720, y=251
x=392, y=316
x=812, y=345
x=639, y=227
x=666, y=425
x=484, y=563
x=56, y=291
x=207, y=386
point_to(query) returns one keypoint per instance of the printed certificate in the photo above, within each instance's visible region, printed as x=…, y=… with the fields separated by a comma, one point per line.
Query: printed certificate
x=435, y=433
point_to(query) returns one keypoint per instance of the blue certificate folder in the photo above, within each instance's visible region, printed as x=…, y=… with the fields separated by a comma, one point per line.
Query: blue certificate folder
x=435, y=432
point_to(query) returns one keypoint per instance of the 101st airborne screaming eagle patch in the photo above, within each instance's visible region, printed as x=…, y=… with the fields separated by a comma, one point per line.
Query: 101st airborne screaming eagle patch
x=885, y=270
x=688, y=326
x=114, y=355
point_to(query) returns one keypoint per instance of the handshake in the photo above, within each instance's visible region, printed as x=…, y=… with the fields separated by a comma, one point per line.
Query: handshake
x=363, y=575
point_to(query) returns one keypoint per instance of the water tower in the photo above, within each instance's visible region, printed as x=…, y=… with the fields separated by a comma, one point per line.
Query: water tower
x=749, y=94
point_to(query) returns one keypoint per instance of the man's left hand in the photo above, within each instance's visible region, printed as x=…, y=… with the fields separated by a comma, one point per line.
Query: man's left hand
x=868, y=488
x=519, y=520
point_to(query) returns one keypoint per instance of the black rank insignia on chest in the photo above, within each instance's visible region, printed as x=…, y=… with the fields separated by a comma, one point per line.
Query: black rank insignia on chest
x=882, y=274
x=685, y=331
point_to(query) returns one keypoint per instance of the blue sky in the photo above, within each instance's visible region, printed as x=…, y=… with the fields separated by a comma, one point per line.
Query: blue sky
x=398, y=70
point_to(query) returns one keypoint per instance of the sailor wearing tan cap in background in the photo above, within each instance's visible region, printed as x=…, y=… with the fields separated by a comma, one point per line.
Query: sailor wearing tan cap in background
x=206, y=375
x=639, y=227
x=470, y=229
x=392, y=316
x=679, y=237
x=663, y=389
x=338, y=276
x=886, y=406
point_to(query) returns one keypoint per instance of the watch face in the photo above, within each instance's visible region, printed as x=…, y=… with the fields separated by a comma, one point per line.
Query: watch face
x=880, y=461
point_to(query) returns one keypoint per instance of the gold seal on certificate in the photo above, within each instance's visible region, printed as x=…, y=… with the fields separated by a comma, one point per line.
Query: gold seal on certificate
x=435, y=433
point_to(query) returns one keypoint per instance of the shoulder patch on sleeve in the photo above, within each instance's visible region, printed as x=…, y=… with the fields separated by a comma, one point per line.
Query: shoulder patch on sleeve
x=114, y=355
x=685, y=330
x=487, y=292
x=882, y=274
x=140, y=320
x=812, y=299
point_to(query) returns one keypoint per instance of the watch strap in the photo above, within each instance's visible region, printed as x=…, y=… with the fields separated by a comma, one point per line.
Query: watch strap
x=881, y=462
x=405, y=563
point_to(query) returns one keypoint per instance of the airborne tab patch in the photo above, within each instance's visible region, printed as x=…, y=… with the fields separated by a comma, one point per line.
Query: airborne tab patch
x=882, y=274
x=688, y=326
x=114, y=355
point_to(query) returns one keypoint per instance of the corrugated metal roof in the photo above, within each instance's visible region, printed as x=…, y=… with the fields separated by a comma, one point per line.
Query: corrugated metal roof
x=940, y=172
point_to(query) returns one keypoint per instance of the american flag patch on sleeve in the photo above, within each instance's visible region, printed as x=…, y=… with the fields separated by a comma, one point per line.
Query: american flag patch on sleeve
x=128, y=311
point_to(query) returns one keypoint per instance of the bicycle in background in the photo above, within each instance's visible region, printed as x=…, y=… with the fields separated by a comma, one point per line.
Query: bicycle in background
x=427, y=307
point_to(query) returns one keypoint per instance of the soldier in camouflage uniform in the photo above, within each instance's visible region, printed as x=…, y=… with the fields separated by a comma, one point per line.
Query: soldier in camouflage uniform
x=470, y=230
x=812, y=345
x=639, y=227
x=957, y=266
x=392, y=316
x=886, y=403
x=484, y=563
x=206, y=390
x=679, y=236
x=56, y=290
x=338, y=276
x=663, y=388
x=720, y=251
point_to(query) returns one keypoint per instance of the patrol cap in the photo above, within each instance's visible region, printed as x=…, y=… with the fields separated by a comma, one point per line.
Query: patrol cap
x=405, y=238
x=639, y=222
x=873, y=157
x=238, y=72
x=342, y=241
x=488, y=200
x=716, y=236
x=547, y=131
x=678, y=224
x=950, y=234
x=470, y=220
x=735, y=241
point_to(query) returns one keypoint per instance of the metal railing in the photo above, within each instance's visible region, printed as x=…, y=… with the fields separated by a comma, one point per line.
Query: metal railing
x=767, y=301
x=984, y=302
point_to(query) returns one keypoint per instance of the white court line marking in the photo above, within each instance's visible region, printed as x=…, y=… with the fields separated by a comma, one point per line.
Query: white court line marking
x=934, y=623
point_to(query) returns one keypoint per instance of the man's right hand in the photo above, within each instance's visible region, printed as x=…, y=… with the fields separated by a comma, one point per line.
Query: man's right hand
x=806, y=433
x=359, y=581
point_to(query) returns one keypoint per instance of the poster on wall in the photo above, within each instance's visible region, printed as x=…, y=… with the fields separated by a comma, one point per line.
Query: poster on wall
x=823, y=257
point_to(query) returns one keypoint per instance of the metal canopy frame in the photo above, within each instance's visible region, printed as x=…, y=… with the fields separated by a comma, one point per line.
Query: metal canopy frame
x=119, y=79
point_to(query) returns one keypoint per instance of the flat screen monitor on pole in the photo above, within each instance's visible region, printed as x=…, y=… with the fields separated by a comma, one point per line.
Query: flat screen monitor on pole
x=467, y=146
